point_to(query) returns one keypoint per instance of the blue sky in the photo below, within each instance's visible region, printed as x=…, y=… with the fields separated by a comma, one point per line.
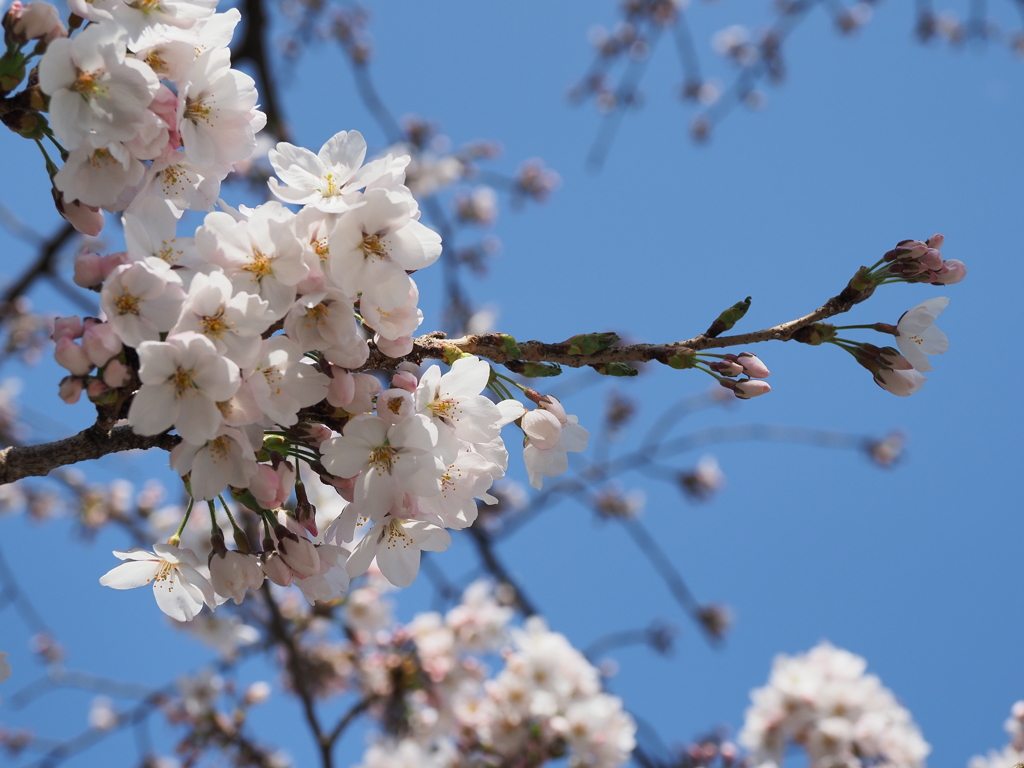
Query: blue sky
x=872, y=139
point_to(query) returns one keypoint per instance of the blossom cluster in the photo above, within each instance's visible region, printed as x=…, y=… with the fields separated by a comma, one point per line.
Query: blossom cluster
x=148, y=111
x=824, y=702
x=1013, y=753
x=547, y=702
x=246, y=337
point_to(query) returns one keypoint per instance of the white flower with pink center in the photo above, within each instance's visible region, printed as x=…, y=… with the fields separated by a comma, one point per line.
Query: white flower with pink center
x=918, y=335
x=225, y=459
x=179, y=588
x=386, y=461
x=550, y=433
x=373, y=246
x=259, y=254
x=142, y=300
x=233, y=321
x=183, y=379
x=98, y=95
x=217, y=118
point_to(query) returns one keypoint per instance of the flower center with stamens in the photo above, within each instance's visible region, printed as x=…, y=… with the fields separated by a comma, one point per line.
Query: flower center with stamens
x=197, y=111
x=157, y=64
x=395, y=405
x=322, y=248
x=215, y=326
x=168, y=253
x=88, y=84
x=219, y=449
x=448, y=480
x=445, y=409
x=330, y=188
x=317, y=315
x=396, y=536
x=183, y=381
x=383, y=459
x=273, y=376
x=100, y=158
x=373, y=245
x=260, y=266
x=163, y=572
x=127, y=304
x=146, y=6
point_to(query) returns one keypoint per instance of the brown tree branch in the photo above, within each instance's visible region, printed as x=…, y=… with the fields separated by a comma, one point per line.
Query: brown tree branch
x=19, y=461
x=492, y=346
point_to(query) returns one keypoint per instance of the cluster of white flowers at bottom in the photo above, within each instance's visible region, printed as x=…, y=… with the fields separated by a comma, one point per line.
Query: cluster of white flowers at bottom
x=824, y=702
x=546, y=703
x=1013, y=753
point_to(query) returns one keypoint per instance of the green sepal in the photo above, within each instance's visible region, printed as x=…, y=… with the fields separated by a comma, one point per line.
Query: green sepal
x=540, y=370
x=728, y=318
x=451, y=354
x=815, y=334
x=590, y=343
x=681, y=362
x=615, y=369
x=244, y=496
x=12, y=71
x=510, y=346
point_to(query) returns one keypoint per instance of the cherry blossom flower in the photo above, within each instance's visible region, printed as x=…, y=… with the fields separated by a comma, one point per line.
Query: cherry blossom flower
x=918, y=335
x=98, y=176
x=281, y=382
x=454, y=400
x=233, y=321
x=374, y=246
x=142, y=300
x=397, y=545
x=330, y=180
x=332, y=579
x=97, y=94
x=183, y=379
x=550, y=433
x=180, y=589
x=226, y=458
x=259, y=254
x=386, y=460
x=216, y=111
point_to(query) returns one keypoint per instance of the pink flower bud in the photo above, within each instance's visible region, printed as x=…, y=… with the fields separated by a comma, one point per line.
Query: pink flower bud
x=726, y=368
x=96, y=389
x=343, y=485
x=404, y=380
x=34, y=21
x=900, y=382
x=88, y=269
x=101, y=343
x=751, y=388
x=67, y=327
x=298, y=552
x=932, y=259
x=752, y=365
x=73, y=357
x=936, y=241
x=276, y=569
x=71, y=389
x=112, y=261
x=270, y=486
x=84, y=218
x=315, y=434
x=116, y=374
x=952, y=271
x=341, y=389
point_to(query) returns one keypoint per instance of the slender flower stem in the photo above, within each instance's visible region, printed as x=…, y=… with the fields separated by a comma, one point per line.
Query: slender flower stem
x=176, y=538
x=227, y=511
